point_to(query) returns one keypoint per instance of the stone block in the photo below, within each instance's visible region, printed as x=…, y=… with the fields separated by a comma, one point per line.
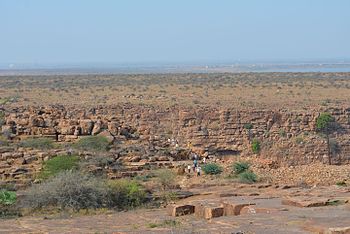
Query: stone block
x=179, y=210
x=231, y=208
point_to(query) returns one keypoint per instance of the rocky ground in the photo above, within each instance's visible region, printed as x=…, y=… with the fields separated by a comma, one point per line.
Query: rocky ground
x=261, y=209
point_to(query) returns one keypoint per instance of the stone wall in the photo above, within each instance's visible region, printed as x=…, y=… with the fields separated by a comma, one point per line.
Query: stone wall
x=286, y=136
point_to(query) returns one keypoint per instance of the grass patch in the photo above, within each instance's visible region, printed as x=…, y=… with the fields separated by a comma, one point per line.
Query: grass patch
x=3, y=141
x=2, y=118
x=7, y=197
x=166, y=178
x=341, y=183
x=37, y=143
x=92, y=143
x=248, y=177
x=256, y=146
x=58, y=164
x=165, y=223
x=240, y=167
x=212, y=169
x=126, y=193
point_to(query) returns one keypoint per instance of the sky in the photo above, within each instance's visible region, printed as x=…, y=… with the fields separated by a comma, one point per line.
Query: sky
x=169, y=31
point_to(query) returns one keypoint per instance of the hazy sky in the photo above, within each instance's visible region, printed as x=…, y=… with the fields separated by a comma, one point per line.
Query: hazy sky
x=121, y=31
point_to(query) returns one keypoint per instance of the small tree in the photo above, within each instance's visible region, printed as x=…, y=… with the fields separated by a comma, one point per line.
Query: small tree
x=325, y=125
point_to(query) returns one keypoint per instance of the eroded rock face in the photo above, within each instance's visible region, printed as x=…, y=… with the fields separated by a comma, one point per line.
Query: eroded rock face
x=287, y=137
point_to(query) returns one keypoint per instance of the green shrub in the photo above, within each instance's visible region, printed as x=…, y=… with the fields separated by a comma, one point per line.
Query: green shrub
x=282, y=133
x=7, y=197
x=37, y=143
x=247, y=177
x=69, y=189
x=248, y=126
x=165, y=177
x=125, y=193
x=341, y=183
x=58, y=164
x=256, y=146
x=240, y=167
x=92, y=143
x=323, y=121
x=212, y=169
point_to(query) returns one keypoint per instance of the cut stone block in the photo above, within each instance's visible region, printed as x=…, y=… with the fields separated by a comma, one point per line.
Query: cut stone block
x=208, y=210
x=179, y=210
x=213, y=212
x=231, y=208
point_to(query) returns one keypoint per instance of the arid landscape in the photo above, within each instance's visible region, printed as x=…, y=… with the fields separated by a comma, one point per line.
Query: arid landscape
x=272, y=150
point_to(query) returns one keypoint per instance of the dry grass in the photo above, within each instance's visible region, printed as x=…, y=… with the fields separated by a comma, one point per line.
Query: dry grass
x=241, y=90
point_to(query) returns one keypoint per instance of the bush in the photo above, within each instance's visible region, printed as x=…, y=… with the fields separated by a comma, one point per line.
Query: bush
x=69, y=189
x=247, y=177
x=37, y=143
x=7, y=197
x=323, y=121
x=212, y=169
x=126, y=193
x=92, y=143
x=341, y=183
x=166, y=178
x=248, y=126
x=256, y=146
x=58, y=164
x=240, y=167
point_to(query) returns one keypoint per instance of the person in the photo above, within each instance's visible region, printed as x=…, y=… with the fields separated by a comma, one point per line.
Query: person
x=199, y=170
x=189, y=168
x=195, y=162
x=204, y=160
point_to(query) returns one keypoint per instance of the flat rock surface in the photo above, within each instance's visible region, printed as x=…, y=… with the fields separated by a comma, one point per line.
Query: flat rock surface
x=280, y=218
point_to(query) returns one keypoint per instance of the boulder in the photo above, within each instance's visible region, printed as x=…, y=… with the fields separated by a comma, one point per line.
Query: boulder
x=107, y=135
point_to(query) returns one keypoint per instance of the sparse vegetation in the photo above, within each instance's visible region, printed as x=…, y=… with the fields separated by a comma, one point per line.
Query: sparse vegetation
x=248, y=126
x=256, y=146
x=341, y=183
x=92, y=143
x=125, y=193
x=38, y=143
x=3, y=141
x=74, y=190
x=247, y=177
x=69, y=189
x=324, y=125
x=212, y=169
x=240, y=167
x=2, y=118
x=58, y=164
x=7, y=197
x=165, y=223
x=166, y=178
